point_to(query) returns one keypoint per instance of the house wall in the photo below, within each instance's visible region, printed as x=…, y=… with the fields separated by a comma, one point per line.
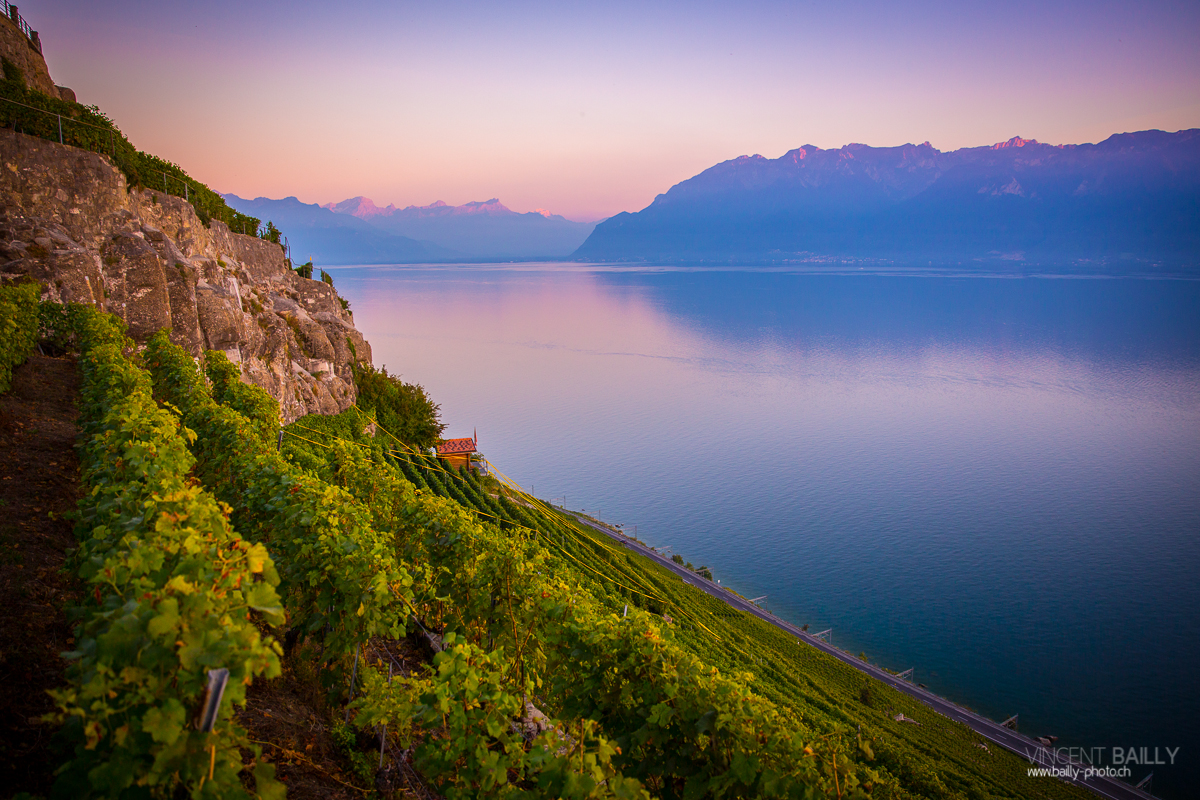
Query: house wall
x=456, y=460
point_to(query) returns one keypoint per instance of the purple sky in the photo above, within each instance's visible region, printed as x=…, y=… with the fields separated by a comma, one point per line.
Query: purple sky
x=591, y=109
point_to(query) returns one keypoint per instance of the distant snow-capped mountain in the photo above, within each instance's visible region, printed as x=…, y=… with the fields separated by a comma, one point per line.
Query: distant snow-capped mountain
x=478, y=229
x=327, y=238
x=357, y=231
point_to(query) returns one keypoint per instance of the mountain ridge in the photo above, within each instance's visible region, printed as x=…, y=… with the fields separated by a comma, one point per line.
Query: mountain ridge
x=478, y=229
x=357, y=231
x=327, y=237
x=365, y=208
x=1132, y=197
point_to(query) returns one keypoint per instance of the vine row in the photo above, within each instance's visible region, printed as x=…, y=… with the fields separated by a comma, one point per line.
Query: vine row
x=173, y=592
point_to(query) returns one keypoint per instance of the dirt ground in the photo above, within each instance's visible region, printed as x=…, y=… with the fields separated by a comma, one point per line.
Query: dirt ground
x=39, y=484
x=314, y=752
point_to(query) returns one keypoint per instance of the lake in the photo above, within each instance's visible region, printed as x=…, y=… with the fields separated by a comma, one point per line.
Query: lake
x=993, y=480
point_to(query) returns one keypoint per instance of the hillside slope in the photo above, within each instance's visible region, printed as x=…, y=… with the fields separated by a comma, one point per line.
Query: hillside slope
x=69, y=219
x=917, y=752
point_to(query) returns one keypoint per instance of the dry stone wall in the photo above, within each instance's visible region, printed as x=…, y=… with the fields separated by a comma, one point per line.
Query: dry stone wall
x=68, y=219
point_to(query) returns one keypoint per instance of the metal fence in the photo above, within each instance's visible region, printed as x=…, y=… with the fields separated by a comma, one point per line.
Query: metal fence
x=112, y=136
x=167, y=178
x=11, y=12
x=58, y=126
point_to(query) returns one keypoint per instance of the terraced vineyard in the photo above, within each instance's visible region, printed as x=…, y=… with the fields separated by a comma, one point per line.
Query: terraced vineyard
x=567, y=666
x=928, y=754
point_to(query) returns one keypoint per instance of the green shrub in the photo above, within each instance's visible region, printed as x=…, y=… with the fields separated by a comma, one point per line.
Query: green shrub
x=270, y=233
x=339, y=577
x=58, y=326
x=405, y=410
x=18, y=327
x=472, y=699
x=89, y=128
x=13, y=74
x=250, y=401
x=305, y=442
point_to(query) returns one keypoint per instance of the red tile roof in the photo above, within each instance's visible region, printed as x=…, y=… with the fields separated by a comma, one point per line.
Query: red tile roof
x=450, y=446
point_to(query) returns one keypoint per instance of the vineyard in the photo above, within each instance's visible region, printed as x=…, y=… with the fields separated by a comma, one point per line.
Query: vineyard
x=559, y=664
x=18, y=327
x=174, y=592
x=931, y=758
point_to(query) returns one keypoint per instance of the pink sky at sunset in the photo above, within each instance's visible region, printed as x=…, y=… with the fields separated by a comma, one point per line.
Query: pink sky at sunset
x=588, y=110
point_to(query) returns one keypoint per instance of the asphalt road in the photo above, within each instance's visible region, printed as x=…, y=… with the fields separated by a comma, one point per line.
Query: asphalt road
x=1023, y=746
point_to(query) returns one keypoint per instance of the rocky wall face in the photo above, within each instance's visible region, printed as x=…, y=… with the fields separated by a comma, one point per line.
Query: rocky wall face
x=68, y=220
x=16, y=48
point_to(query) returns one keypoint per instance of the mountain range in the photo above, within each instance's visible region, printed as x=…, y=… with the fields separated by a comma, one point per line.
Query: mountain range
x=1132, y=199
x=357, y=231
x=319, y=234
x=477, y=229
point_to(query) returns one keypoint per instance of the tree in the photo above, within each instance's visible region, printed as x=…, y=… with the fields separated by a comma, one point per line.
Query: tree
x=404, y=410
x=271, y=234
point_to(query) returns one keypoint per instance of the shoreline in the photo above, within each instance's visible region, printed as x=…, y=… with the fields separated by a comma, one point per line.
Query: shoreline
x=1038, y=755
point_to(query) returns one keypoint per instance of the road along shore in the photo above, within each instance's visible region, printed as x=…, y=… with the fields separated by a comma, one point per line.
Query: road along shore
x=1025, y=747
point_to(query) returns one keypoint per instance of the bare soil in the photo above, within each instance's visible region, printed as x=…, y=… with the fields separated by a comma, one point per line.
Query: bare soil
x=299, y=732
x=39, y=486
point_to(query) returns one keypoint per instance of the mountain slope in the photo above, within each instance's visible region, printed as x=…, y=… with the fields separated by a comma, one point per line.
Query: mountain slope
x=327, y=238
x=477, y=229
x=1132, y=198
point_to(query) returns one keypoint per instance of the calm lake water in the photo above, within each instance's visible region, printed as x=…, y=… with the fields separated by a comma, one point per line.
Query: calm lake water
x=993, y=480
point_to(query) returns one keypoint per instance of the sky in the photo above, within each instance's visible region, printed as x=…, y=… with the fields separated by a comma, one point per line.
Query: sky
x=589, y=109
